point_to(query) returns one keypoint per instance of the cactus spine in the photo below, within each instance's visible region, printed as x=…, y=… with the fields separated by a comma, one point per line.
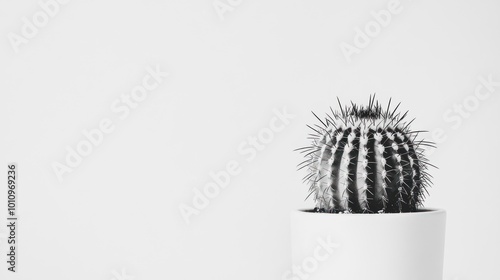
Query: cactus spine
x=366, y=160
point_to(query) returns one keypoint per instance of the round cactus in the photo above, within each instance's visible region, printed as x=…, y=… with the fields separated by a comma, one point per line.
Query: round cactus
x=365, y=159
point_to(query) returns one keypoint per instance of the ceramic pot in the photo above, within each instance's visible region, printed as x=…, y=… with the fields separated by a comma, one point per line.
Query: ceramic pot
x=399, y=246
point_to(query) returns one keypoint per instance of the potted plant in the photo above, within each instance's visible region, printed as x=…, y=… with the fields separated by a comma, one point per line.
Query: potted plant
x=368, y=176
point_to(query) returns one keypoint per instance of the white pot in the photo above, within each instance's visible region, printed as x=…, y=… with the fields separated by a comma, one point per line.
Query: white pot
x=402, y=246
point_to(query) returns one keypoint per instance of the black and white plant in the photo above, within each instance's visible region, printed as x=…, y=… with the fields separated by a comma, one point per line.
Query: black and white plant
x=367, y=162
x=366, y=159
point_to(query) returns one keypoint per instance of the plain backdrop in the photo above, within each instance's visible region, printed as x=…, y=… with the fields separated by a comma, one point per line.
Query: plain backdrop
x=232, y=65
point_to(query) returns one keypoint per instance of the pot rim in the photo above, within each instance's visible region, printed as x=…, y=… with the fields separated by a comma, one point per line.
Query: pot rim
x=420, y=212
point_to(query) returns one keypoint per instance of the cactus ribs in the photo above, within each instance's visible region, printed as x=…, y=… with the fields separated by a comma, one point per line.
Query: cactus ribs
x=366, y=160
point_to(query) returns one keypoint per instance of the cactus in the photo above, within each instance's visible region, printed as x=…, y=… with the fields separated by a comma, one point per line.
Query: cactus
x=365, y=159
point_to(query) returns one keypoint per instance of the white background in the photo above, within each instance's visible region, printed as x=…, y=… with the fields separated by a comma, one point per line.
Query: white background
x=116, y=215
